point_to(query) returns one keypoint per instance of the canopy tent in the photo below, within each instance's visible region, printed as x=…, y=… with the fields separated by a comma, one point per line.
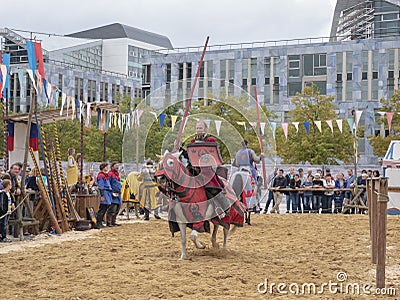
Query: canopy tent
x=391, y=169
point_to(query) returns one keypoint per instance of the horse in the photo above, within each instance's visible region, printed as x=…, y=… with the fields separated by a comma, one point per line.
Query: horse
x=194, y=204
x=245, y=189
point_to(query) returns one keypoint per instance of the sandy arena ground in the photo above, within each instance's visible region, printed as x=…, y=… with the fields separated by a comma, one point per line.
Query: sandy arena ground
x=139, y=260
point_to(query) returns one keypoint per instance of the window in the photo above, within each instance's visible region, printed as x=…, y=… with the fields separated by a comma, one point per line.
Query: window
x=349, y=76
x=180, y=71
x=314, y=64
x=293, y=88
x=374, y=75
x=339, y=78
x=168, y=73
x=364, y=76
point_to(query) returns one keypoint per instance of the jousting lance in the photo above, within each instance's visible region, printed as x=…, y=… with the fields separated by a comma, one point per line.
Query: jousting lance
x=178, y=138
x=260, y=137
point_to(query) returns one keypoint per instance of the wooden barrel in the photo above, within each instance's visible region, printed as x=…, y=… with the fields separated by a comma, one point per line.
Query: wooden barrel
x=83, y=201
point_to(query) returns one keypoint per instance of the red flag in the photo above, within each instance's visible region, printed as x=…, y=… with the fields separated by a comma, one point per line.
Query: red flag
x=389, y=116
x=39, y=58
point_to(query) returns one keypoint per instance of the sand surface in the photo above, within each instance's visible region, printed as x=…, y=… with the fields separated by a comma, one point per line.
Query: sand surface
x=139, y=260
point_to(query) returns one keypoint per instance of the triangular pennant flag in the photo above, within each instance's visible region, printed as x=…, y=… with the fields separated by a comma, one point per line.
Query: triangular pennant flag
x=329, y=122
x=39, y=58
x=372, y=115
x=358, y=116
x=184, y=120
x=3, y=69
x=73, y=108
x=285, y=126
x=307, y=126
x=22, y=82
x=173, y=121
x=88, y=116
x=296, y=124
x=253, y=124
x=242, y=124
x=382, y=113
x=318, y=124
x=30, y=73
x=162, y=118
x=63, y=99
x=154, y=114
x=218, y=125
x=273, y=125
x=208, y=122
x=139, y=113
x=350, y=121
x=389, y=116
x=339, y=123
x=262, y=127
x=68, y=103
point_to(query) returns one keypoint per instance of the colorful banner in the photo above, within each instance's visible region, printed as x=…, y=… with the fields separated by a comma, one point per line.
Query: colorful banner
x=262, y=127
x=273, y=125
x=351, y=124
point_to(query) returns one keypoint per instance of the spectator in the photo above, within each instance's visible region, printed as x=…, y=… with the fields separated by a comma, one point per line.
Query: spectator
x=6, y=206
x=308, y=194
x=295, y=183
x=376, y=174
x=317, y=195
x=279, y=182
x=303, y=179
x=289, y=177
x=105, y=194
x=340, y=183
x=270, y=179
x=328, y=196
x=116, y=200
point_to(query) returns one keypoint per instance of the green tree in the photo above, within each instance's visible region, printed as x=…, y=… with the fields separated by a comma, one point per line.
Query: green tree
x=315, y=147
x=380, y=144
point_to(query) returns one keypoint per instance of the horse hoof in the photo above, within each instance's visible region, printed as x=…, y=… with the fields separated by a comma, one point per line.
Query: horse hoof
x=183, y=257
x=215, y=245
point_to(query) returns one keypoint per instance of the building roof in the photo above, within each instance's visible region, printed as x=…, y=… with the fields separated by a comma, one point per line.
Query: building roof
x=117, y=30
x=341, y=5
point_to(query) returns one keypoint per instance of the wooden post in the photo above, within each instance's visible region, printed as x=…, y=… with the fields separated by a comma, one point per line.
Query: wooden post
x=104, y=146
x=373, y=216
x=382, y=224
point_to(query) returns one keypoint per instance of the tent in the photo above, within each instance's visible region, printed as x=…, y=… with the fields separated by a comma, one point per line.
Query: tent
x=391, y=169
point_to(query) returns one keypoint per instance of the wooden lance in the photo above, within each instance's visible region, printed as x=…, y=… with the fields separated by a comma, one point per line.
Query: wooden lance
x=260, y=137
x=178, y=138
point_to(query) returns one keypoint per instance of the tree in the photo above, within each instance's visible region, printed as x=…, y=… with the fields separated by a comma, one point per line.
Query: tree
x=380, y=143
x=315, y=147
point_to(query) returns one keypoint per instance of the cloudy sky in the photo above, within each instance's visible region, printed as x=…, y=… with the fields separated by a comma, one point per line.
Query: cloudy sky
x=185, y=22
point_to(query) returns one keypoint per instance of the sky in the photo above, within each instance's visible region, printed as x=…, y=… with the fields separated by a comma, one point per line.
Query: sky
x=185, y=22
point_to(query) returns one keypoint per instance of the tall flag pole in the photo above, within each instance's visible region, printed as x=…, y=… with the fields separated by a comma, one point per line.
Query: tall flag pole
x=189, y=101
x=261, y=141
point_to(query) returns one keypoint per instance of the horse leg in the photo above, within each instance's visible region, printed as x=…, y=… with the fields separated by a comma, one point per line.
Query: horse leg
x=214, y=236
x=226, y=234
x=233, y=229
x=182, y=228
x=193, y=237
x=247, y=216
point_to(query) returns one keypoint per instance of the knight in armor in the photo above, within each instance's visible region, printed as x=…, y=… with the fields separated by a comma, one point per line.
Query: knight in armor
x=246, y=158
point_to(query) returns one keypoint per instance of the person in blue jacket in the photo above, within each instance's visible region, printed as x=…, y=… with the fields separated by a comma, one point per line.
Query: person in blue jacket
x=116, y=200
x=105, y=194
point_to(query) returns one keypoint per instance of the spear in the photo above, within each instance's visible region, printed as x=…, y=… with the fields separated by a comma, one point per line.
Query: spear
x=189, y=101
x=260, y=137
